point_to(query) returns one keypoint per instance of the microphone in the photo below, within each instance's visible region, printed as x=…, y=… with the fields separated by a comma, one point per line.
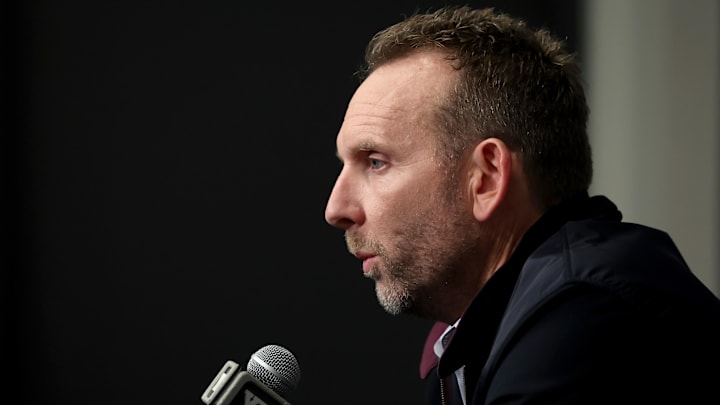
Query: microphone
x=272, y=373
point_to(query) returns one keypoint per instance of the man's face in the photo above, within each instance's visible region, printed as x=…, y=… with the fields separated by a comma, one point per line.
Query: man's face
x=412, y=228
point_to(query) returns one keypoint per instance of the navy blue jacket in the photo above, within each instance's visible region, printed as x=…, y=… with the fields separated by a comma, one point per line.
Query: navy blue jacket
x=587, y=310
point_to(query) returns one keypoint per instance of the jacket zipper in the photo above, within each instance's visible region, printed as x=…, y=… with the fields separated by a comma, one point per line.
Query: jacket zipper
x=445, y=391
x=442, y=392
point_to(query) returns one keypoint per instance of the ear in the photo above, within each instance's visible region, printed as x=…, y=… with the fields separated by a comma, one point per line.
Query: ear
x=491, y=164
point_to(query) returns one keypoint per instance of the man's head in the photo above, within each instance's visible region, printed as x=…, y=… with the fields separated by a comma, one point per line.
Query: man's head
x=466, y=127
x=517, y=84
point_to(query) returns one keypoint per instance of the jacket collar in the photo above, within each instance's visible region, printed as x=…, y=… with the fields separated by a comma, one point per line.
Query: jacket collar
x=476, y=330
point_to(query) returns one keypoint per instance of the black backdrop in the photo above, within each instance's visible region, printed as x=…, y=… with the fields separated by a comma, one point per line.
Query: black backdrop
x=166, y=165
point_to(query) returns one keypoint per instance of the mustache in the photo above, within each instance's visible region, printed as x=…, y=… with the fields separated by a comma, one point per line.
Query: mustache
x=358, y=243
x=355, y=243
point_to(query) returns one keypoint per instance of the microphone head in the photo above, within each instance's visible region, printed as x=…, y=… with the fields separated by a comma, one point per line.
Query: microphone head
x=276, y=367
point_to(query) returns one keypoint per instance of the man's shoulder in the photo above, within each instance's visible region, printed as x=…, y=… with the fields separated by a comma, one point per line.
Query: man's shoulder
x=606, y=254
x=634, y=263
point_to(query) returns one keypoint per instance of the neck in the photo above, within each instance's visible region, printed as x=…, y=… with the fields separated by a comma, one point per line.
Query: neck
x=505, y=231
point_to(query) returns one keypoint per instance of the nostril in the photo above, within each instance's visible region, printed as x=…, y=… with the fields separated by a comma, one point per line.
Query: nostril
x=343, y=223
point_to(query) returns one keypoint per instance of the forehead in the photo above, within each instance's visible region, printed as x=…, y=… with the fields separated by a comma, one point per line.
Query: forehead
x=398, y=102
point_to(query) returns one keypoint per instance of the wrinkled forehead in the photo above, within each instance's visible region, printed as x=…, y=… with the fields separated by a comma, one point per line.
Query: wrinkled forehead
x=402, y=97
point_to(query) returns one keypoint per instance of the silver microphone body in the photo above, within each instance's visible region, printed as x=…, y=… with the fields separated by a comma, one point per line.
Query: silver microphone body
x=272, y=373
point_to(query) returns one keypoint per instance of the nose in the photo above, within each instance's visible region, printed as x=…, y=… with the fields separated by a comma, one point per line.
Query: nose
x=343, y=209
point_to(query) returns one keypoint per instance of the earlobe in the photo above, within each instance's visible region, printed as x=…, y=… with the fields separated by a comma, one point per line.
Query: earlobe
x=491, y=164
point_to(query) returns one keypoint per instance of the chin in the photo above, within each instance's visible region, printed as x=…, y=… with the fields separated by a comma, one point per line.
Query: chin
x=392, y=309
x=395, y=304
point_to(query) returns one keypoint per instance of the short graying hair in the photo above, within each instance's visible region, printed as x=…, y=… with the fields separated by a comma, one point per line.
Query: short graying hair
x=516, y=84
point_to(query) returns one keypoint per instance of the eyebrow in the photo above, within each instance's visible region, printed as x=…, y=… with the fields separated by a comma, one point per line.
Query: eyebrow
x=363, y=146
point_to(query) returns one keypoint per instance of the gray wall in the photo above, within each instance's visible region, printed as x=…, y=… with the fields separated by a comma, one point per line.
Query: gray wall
x=653, y=71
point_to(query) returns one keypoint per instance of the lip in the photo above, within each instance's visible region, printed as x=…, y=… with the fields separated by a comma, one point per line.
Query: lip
x=367, y=264
x=367, y=259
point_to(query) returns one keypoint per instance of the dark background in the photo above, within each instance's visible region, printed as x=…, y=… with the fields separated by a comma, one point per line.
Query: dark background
x=165, y=171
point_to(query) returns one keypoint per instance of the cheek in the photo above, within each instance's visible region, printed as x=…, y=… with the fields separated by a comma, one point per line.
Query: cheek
x=413, y=206
x=409, y=202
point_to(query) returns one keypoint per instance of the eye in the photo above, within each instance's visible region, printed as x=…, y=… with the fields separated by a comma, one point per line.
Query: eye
x=376, y=164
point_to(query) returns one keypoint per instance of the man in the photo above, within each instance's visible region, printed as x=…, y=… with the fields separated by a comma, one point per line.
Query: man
x=464, y=191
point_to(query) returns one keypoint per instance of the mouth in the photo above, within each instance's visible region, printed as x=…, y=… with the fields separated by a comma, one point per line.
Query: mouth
x=367, y=260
